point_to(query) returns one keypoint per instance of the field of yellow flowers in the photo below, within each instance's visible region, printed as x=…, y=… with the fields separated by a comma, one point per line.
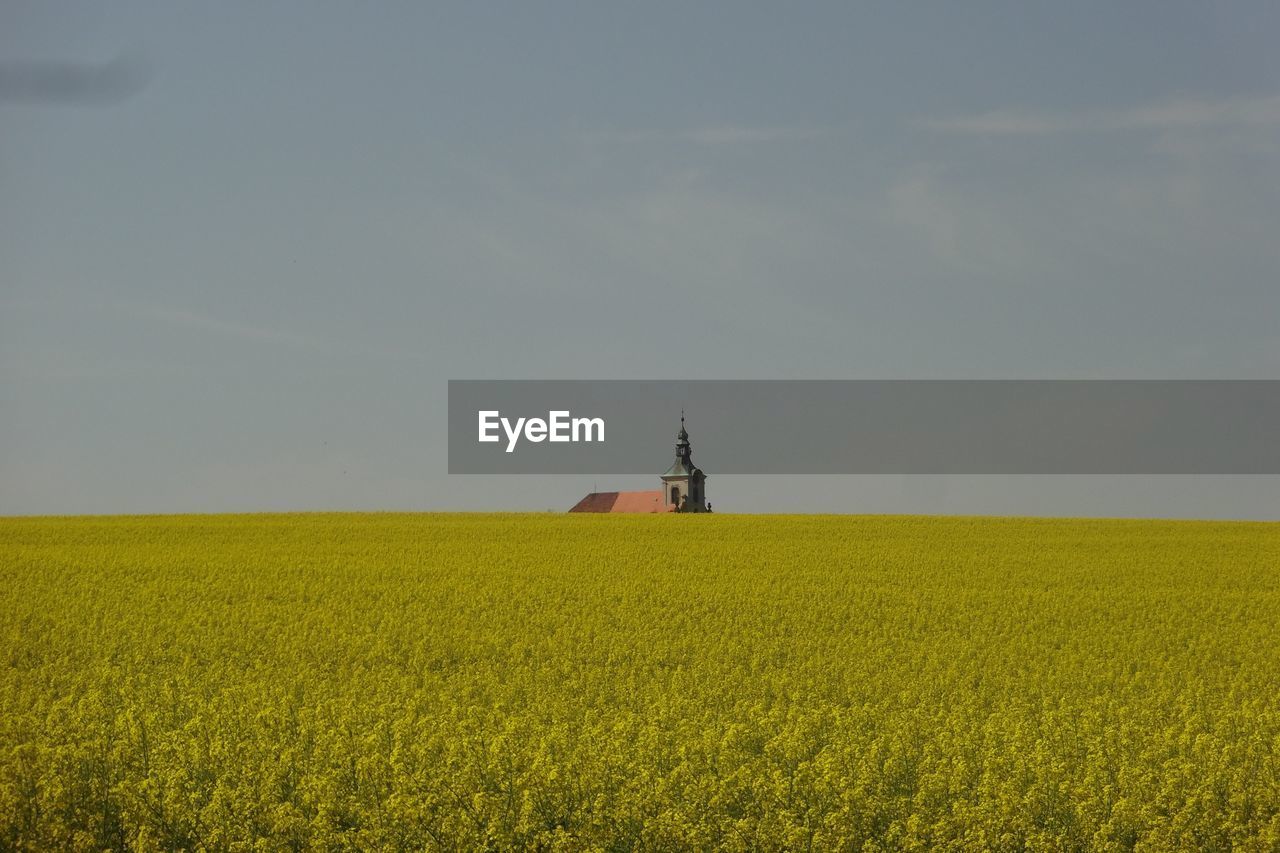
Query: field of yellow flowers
x=638, y=683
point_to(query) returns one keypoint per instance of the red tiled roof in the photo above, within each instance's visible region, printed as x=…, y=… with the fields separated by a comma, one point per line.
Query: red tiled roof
x=596, y=502
x=622, y=502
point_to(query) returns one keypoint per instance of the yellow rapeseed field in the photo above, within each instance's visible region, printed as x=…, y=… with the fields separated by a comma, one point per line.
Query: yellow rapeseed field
x=389, y=681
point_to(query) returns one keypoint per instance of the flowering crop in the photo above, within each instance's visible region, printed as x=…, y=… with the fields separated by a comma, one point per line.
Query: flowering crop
x=645, y=682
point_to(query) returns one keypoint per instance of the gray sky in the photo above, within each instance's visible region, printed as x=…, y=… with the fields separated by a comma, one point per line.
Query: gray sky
x=237, y=271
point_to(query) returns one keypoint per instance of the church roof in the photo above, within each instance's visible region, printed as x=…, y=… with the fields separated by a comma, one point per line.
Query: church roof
x=622, y=502
x=682, y=467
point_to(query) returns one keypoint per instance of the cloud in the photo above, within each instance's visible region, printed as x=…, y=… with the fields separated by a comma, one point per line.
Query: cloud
x=192, y=320
x=709, y=135
x=186, y=319
x=52, y=82
x=962, y=229
x=1185, y=113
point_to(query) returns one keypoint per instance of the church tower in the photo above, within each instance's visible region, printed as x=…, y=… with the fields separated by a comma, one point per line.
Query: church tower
x=684, y=484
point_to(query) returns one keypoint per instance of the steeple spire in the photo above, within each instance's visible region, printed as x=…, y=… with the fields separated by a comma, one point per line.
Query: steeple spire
x=682, y=440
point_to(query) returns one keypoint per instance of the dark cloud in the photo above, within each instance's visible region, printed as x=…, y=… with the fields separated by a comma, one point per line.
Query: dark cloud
x=75, y=83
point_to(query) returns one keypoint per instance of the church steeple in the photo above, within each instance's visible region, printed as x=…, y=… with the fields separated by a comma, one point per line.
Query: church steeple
x=683, y=486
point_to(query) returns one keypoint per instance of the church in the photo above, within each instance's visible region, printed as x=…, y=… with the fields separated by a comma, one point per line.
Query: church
x=684, y=488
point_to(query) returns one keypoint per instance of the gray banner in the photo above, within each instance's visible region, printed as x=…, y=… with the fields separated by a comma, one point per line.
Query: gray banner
x=867, y=426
